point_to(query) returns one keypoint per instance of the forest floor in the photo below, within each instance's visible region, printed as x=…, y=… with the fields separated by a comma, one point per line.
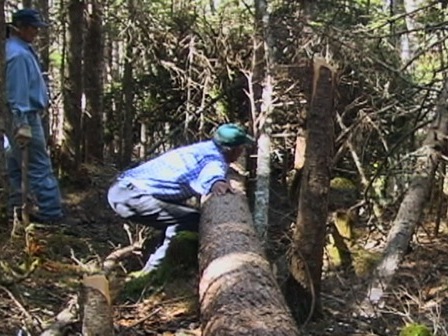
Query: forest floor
x=419, y=292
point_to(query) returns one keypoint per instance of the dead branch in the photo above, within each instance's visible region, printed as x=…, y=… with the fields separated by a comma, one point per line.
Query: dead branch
x=64, y=319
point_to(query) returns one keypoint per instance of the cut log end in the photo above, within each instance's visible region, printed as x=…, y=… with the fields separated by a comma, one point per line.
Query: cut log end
x=238, y=292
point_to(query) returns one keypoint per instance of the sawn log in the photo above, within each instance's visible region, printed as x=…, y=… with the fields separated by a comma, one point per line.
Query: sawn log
x=238, y=291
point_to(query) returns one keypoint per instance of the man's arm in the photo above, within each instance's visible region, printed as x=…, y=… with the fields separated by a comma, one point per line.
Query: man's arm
x=18, y=89
x=212, y=179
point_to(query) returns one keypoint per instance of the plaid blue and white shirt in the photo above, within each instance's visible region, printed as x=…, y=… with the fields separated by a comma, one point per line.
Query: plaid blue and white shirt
x=180, y=173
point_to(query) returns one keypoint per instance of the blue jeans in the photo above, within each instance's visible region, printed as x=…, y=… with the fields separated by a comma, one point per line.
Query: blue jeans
x=42, y=182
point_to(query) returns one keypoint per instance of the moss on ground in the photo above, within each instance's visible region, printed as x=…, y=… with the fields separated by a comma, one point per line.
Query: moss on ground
x=180, y=263
x=415, y=329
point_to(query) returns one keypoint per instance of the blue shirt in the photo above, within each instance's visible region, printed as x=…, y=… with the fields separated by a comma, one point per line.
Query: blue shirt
x=25, y=85
x=180, y=173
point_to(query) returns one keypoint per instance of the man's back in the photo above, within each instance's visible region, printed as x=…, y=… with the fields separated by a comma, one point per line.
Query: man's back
x=26, y=88
x=180, y=173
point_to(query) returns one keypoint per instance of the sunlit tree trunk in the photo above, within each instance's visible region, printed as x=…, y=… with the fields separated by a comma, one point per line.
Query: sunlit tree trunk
x=303, y=288
x=409, y=44
x=93, y=83
x=264, y=77
x=73, y=88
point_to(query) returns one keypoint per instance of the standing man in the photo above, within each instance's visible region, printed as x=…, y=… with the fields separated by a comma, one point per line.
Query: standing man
x=153, y=193
x=27, y=96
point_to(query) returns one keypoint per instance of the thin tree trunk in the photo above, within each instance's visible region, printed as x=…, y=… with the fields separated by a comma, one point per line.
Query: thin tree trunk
x=3, y=110
x=73, y=88
x=411, y=207
x=303, y=288
x=238, y=292
x=265, y=59
x=44, y=53
x=93, y=88
x=128, y=106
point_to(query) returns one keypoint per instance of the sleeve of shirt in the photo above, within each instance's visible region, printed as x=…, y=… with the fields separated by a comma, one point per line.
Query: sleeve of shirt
x=17, y=77
x=213, y=172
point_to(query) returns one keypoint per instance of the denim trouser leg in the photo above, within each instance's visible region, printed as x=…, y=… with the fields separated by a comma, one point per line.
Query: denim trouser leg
x=140, y=206
x=43, y=184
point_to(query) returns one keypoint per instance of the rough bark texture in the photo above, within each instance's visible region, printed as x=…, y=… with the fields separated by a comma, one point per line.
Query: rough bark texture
x=3, y=111
x=303, y=288
x=263, y=74
x=238, y=292
x=411, y=207
x=43, y=45
x=93, y=79
x=73, y=79
x=97, y=311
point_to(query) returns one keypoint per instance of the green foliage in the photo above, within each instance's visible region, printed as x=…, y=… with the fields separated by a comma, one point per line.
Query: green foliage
x=342, y=183
x=415, y=329
x=56, y=58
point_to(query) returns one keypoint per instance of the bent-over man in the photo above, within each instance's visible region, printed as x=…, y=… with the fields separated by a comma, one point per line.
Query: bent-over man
x=153, y=193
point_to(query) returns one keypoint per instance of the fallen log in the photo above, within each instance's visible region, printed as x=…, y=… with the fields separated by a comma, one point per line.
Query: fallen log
x=411, y=208
x=238, y=292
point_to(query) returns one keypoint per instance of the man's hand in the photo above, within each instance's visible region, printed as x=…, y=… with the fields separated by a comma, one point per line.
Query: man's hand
x=23, y=135
x=221, y=188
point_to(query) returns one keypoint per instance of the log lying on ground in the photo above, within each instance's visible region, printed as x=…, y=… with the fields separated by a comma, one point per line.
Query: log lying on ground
x=411, y=208
x=238, y=292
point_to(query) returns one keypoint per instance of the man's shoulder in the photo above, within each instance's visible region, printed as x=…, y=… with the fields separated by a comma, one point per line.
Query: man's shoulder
x=16, y=50
x=207, y=146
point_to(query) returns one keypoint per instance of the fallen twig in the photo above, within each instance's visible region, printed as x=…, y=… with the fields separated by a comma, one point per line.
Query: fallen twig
x=17, y=303
x=116, y=256
x=144, y=318
x=64, y=319
x=158, y=307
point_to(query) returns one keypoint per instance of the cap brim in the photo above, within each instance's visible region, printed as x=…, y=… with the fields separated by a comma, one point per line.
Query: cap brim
x=40, y=24
x=249, y=140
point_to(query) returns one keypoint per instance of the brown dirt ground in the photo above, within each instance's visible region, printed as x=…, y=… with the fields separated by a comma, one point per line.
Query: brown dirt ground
x=419, y=291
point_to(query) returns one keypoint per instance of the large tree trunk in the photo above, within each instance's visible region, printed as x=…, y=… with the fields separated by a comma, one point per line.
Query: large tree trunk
x=309, y=236
x=411, y=207
x=238, y=292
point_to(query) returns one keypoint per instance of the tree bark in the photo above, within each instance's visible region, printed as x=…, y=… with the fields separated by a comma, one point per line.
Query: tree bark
x=238, y=292
x=264, y=61
x=73, y=89
x=43, y=45
x=411, y=207
x=93, y=79
x=96, y=307
x=3, y=110
x=304, y=285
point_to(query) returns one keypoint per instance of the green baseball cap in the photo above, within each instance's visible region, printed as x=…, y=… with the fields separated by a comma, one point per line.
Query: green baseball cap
x=232, y=135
